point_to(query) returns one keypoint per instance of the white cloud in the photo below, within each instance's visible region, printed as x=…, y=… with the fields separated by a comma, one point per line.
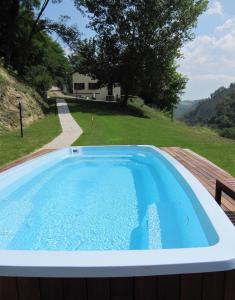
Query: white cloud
x=209, y=61
x=227, y=42
x=215, y=8
x=229, y=24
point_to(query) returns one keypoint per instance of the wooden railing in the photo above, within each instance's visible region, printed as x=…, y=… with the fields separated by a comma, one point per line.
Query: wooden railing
x=223, y=187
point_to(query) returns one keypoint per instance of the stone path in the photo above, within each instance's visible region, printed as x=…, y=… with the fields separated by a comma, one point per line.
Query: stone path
x=71, y=131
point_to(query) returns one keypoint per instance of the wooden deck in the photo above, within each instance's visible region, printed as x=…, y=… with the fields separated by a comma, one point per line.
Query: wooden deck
x=206, y=286
x=25, y=158
x=207, y=173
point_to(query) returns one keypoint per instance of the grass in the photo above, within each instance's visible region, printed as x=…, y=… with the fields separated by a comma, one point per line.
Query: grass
x=106, y=123
x=12, y=146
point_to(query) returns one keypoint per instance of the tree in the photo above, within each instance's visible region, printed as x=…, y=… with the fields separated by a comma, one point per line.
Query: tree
x=69, y=34
x=26, y=46
x=48, y=64
x=140, y=42
x=10, y=11
x=20, y=22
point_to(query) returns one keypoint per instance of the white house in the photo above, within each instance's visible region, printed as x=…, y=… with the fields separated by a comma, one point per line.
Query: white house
x=86, y=87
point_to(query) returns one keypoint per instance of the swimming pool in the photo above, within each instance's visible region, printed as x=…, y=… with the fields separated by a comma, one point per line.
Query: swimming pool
x=111, y=210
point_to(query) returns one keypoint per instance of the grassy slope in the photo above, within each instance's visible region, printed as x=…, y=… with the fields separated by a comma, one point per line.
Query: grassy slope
x=142, y=125
x=12, y=146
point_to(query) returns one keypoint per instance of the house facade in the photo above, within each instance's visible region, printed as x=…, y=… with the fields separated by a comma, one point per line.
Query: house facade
x=85, y=87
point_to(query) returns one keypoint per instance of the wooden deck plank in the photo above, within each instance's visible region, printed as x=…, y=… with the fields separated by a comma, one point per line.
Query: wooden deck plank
x=8, y=288
x=191, y=287
x=213, y=286
x=206, y=172
x=169, y=287
x=229, y=292
x=51, y=289
x=28, y=288
x=98, y=289
x=145, y=288
x=75, y=289
x=24, y=159
x=121, y=288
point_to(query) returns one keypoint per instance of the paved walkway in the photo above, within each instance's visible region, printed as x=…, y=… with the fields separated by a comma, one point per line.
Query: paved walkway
x=71, y=131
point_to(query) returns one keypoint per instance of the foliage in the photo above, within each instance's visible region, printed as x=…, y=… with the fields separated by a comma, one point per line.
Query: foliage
x=228, y=133
x=39, y=78
x=51, y=66
x=218, y=111
x=26, y=46
x=136, y=45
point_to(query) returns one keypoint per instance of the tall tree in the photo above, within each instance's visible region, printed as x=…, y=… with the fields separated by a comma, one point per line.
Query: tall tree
x=20, y=22
x=140, y=41
x=10, y=11
x=26, y=46
x=69, y=34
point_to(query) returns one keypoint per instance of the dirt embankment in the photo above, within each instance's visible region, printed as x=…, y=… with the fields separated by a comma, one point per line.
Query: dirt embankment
x=33, y=105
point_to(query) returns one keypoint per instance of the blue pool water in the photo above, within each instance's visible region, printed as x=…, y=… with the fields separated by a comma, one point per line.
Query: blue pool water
x=103, y=198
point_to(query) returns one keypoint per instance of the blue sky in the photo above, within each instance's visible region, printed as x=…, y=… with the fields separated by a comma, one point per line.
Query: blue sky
x=208, y=61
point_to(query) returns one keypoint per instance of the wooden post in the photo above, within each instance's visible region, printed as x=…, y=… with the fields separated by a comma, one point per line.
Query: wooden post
x=21, y=117
x=218, y=193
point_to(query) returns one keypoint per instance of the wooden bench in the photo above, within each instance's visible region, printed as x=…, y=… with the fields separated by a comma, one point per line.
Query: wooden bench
x=223, y=187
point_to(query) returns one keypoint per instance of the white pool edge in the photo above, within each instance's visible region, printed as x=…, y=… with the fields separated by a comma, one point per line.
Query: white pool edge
x=219, y=257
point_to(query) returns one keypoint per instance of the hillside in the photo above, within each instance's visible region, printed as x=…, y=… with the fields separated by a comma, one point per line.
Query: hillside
x=218, y=111
x=107, y=124
x=33, y=105
x=184, y=107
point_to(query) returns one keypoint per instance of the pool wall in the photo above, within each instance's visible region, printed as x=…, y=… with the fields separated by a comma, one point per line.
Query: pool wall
x=201, y=286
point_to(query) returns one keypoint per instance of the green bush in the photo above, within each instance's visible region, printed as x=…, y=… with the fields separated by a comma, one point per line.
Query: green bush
x=40, y=79
x=228, y=133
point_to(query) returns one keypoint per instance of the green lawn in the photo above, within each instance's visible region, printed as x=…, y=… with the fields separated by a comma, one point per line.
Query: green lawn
x=12, y=146
x=142, y=125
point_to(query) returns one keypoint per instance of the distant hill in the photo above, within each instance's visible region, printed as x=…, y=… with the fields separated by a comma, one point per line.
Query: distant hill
x=184, y=107
x=218, y=111
x=33, y=105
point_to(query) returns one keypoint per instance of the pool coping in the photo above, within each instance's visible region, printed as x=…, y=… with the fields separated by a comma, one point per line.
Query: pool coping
x=219, y=257
x=24, y=159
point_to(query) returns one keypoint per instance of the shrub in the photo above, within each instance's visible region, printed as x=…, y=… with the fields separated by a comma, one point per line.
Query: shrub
x=228, y=132
x=40, y=79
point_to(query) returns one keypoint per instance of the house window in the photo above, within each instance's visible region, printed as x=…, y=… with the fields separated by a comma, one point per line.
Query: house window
x=79, y=86
x=92, y=85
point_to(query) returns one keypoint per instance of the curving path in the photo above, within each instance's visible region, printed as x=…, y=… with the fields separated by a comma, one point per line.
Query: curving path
x=71, y=131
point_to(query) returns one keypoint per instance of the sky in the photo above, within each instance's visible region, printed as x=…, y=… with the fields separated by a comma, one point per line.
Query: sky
x=208, y=61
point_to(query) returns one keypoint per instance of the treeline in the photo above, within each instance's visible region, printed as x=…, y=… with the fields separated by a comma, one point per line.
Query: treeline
x=218, y=112
x=137, y=44
x=26, y=47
